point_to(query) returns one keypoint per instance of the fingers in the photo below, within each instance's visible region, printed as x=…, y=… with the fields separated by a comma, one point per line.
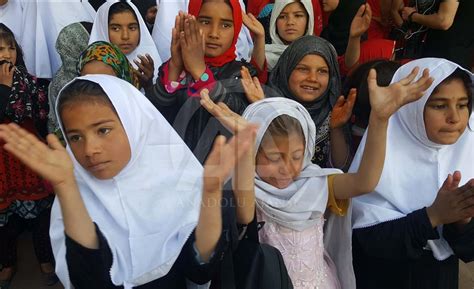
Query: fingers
x=361, y=10
x=372, y=79
x=407, y=80
x=54, y=142
x=21, y=144
x=368, y=11
x=340, y=101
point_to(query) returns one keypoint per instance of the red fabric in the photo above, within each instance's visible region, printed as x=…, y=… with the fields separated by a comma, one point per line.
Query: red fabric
x=376, y=29
x=229, y=55
x=17, y=182
x=318, y=17
x=255, y=6
x=376, y=49
x=194, y=88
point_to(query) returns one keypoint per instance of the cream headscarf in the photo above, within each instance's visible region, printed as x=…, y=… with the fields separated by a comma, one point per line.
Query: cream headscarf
x=415, y=167
x=146, y=212
x=273, y=51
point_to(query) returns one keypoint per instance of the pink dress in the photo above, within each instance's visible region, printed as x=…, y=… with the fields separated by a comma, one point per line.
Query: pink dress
x=309, y=266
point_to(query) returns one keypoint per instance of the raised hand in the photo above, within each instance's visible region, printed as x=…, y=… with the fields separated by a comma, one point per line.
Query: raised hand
x=6, y=74
x=52, y=162
x=224, y=156
x=176, y=57
x=192, y=48
x=361, y=22
x=385, y=101
x=146, y=70
x=342, y=110
x=453, y=203
x=253, y=25
x=231, y=120
x=253, y=89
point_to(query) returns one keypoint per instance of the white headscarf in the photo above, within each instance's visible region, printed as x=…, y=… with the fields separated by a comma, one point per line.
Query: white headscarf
x=42, y=22
x=11, y=15
x=297, y=206
x=164, y=23
x=415, y=167
x=273, y=51
x=148, y=211
x=100, y=32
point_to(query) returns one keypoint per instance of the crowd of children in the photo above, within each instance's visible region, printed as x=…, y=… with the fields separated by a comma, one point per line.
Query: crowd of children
x=140, y=139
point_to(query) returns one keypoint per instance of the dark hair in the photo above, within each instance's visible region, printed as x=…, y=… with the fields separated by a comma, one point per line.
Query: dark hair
x=81, y=91
x=358, y=79
x=283, y=125
x=465, y=78
x=121, y=7
x=7, y=35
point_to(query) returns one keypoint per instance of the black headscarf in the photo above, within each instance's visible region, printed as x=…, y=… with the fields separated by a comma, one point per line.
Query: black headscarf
x=321, y=107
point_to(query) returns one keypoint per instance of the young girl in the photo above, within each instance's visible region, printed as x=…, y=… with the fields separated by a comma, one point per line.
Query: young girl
x=308, y=73
x=291, y=20
x=102, y=57
x=134, y=208
x=25, y=198
x=286, y=180
x=193, y=67
x=413, y=229
x=119, y=23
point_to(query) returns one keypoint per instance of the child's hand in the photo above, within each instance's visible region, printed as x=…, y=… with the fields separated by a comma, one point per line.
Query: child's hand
x=361, y=22
x=146, y=70
x=253, y=25
x=453, y=203
x=253, y=89
x=193, y=48
x=6, y=74
x=342, y=110
x=52, y=162
x=407, y=11
x=176, y=57
x=224, y=156
x=231, y=120
x=385, y=101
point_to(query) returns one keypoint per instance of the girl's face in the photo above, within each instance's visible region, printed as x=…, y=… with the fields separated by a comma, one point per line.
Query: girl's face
x=280, y=159
x=292, y=22
x=97, y=67
x=217, y=23
x=329, y=5
x=124, y=31
x=446, y=113
x=96, y=137
x=8, y=51
x=310, y=78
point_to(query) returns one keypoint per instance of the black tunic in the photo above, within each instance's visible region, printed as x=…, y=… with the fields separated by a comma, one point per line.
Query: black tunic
x=392, y=254
x=193, y=123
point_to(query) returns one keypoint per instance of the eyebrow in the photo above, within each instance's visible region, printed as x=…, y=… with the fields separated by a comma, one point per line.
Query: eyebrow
x=441, y=98
x=96, y=124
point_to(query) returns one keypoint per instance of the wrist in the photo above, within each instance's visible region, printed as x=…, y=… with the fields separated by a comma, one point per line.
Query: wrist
x=198, y=72
x=410, y=16
x=430, y=211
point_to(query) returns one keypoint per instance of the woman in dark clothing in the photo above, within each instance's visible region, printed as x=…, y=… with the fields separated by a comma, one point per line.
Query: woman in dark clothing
x=191, y=68
x=413, y=229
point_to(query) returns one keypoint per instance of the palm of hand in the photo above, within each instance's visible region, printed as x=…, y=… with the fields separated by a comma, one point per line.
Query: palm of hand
x=254, y=25
x=340, y=115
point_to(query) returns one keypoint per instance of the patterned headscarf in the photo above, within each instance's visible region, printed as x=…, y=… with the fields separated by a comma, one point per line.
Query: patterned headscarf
x=111, y=55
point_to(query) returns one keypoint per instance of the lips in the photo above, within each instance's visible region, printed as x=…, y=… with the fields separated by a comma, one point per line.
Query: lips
x=98, y=166
x=212, y=45
x=291, y=31
x=125, y=46
x=309, y=88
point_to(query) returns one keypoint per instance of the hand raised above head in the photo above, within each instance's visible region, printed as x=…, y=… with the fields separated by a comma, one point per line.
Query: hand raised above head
x=253, y=25
x=52, y=162
x=361, y=21
x=385, y=101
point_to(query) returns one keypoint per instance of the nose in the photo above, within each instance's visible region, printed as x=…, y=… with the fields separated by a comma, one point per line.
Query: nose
x=214, y=31
x=125, y=34
x=312, y=76
x=453, y=115
x=287, y=168
x=91, y=146
x=291, y=20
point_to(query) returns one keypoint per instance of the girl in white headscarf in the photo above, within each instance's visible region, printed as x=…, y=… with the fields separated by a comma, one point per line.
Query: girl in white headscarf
x=292, y=194
x=120, y=23
x=133, y=207
x=412, y=230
